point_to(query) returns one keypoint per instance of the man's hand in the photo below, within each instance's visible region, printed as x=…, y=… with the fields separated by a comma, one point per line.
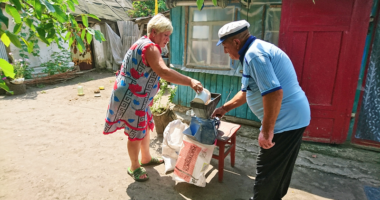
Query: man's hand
x=265, y=140
x=219, y=112
x=196, y=86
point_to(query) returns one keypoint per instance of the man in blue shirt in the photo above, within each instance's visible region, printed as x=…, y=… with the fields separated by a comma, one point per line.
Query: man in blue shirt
x=272, y=92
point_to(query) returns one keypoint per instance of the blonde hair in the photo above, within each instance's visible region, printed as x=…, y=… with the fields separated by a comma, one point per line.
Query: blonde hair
x=159, y=23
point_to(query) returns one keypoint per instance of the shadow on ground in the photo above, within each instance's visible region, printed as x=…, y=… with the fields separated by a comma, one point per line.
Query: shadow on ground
x=32, y=91
x=322, y=171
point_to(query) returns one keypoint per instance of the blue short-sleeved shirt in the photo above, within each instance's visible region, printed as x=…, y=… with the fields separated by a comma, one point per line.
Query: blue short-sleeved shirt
x=266, y=68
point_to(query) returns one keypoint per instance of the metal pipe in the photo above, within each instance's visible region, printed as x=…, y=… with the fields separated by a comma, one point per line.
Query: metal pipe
x=192, y=3
x=175, y=3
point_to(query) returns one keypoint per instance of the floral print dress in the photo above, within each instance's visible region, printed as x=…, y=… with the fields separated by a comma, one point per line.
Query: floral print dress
x=135, y=86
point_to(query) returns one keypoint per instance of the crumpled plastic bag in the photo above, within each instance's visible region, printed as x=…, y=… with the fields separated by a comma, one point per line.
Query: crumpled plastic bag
x=172, y=143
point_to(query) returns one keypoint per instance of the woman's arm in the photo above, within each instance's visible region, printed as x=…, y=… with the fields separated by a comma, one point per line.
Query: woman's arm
x=155, y=61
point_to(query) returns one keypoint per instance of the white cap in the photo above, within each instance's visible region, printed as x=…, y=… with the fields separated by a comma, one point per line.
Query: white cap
x=231, y=29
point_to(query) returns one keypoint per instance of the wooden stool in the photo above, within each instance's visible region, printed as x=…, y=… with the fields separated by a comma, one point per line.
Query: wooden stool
x=227, y=135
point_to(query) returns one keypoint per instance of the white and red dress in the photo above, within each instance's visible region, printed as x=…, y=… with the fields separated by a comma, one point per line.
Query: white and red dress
x=135, y=86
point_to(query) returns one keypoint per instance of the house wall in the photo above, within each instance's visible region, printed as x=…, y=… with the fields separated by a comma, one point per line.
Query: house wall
x=178, y=42
x=215, y=83
x=45, y=51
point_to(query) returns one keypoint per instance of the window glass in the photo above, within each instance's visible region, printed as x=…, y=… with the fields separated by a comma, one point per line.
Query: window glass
x=203, y=36
x=207, y=15
x=215, y=30
x=200, y=32
x=199, y=52
x=216, y=59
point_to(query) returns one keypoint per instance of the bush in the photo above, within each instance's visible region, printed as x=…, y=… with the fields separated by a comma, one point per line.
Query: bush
x=157, y=107
x=146, y=8
x=59, y=63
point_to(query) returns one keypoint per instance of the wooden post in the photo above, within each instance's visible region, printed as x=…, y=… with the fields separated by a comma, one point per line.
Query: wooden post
x=141, y=30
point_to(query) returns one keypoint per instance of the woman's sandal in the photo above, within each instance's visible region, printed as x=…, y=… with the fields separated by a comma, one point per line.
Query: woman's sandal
x=153, y=161
x=138, y=173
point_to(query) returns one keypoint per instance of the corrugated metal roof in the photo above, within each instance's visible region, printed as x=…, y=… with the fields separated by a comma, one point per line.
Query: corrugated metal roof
x=113, y=10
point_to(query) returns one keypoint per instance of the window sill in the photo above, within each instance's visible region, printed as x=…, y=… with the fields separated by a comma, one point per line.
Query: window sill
x=218, y=71
x=208, y=68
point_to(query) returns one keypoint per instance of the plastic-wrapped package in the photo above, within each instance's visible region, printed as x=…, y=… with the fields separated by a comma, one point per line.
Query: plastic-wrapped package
x=193, y=161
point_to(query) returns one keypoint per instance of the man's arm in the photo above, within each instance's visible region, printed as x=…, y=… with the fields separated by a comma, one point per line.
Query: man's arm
x=272, y=105
x=238, y=100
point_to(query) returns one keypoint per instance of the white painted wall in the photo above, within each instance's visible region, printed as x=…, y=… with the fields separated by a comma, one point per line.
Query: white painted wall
x=45, y=51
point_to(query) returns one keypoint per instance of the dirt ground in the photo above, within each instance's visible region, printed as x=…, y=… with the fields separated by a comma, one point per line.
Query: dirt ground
x=52, y=147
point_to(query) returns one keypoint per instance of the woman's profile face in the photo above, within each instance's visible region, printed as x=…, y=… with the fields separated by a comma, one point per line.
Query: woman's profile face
x=161, y=38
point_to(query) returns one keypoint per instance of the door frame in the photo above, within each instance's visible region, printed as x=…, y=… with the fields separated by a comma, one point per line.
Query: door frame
x=354, y=140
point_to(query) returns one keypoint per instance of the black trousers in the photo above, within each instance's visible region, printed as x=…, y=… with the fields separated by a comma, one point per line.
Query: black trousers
x=274, y=166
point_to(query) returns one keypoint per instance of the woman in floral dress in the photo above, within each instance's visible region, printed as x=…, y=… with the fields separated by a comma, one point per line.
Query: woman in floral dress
x=135, y=87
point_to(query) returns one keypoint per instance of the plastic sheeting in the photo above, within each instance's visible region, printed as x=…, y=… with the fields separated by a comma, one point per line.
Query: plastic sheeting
x=264, y=19
x=129, y=32
x=368, y=127
x=3, y=51
x=255, y=18
x=110, y=54
x=115, y=47
x=272, y=25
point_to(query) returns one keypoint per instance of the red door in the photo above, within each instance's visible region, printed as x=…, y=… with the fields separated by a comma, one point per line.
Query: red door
x=325, y=42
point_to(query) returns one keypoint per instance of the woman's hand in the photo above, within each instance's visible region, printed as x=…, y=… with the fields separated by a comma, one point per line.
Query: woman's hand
x=196, y=86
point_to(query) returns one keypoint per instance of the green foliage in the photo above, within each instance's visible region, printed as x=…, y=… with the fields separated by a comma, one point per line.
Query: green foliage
x=157, y=107
x=3, y=19
x=59, y=63
x=48, y=20
x=21, y=66
x=19, y=69
x=200, y=4
x=24, y=51
x=6, y=70
x=146, y=8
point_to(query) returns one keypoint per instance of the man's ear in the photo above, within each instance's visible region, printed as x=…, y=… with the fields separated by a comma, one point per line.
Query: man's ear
x=236, y=43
